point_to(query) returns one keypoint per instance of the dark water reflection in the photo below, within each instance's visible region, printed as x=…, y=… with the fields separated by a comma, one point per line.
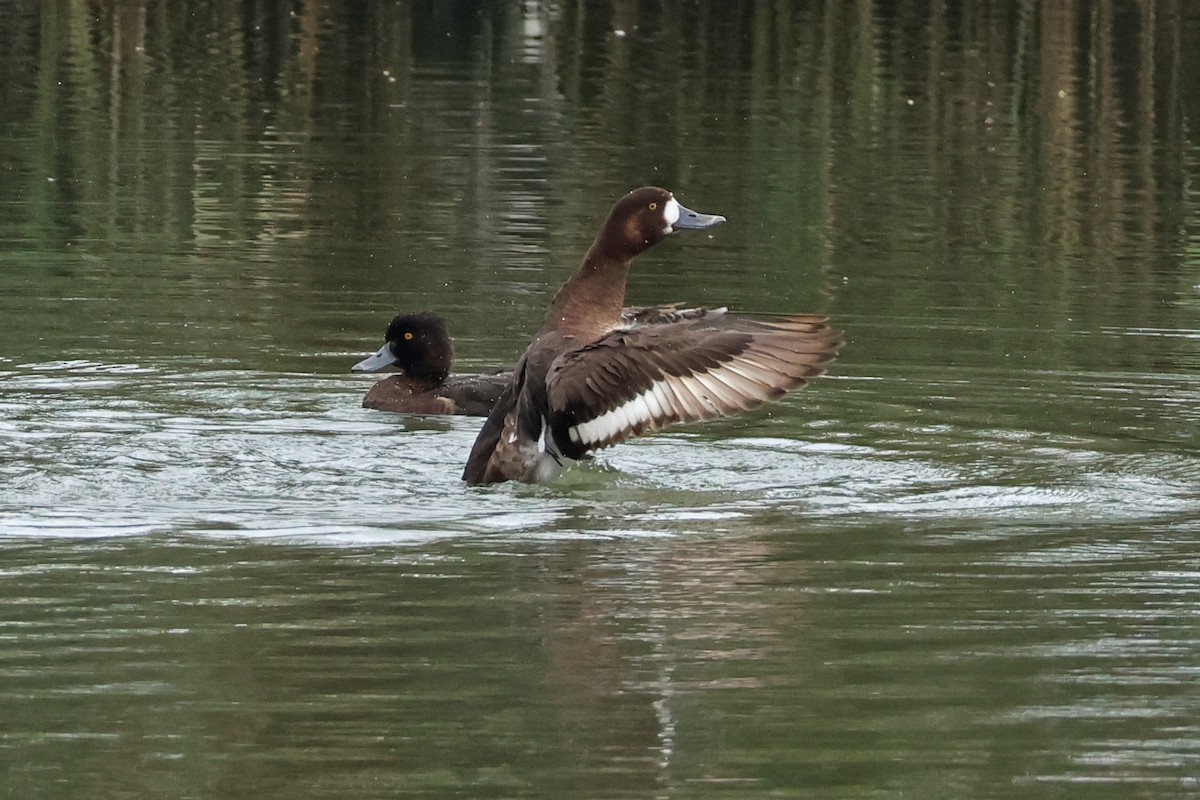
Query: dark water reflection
x=734, y=665
x=964, y=565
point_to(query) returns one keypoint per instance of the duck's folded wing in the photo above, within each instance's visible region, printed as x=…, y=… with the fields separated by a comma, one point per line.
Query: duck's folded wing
x=642, y=378
x=658, y=315
x=487, y=441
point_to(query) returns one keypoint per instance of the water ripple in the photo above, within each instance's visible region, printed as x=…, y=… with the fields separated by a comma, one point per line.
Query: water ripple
x=108, y=451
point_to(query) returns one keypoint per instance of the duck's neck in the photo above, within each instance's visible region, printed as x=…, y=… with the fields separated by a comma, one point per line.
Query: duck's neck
x=590, y=301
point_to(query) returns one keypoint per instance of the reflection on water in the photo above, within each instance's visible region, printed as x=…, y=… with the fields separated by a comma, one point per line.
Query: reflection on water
x=664, y=665
x=963, y=565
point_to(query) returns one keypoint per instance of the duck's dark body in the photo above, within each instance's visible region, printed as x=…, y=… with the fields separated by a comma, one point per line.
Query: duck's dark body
x=420, y=345
x=593, y=377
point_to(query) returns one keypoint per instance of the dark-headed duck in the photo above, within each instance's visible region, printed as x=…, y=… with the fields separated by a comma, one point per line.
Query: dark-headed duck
x=592, y=377
x=419, y=344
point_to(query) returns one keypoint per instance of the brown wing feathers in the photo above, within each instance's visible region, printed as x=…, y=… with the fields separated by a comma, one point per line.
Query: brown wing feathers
x=644, y=378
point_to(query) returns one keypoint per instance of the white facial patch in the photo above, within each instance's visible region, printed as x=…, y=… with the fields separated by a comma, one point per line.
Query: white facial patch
x=670, y=214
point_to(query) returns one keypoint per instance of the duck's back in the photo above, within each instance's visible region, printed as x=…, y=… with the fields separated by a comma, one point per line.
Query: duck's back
x=468, y=395
x=475, y=395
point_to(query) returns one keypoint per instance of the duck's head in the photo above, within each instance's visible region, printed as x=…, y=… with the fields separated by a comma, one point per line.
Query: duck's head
x=419, y=344
x=646, y=216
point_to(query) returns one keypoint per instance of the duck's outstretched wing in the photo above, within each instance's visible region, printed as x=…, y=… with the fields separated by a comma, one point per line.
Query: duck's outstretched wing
x=644, y=377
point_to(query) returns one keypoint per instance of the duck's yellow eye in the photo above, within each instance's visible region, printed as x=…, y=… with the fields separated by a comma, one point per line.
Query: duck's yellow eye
x=654, y=206
x=408, y=336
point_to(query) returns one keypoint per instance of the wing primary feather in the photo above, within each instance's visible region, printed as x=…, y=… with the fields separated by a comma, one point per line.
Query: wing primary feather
x=670, y=364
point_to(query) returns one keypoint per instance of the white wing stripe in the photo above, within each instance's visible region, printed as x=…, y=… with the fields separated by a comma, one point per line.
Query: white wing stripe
x=664, y=395
x=640, y=409
x=662, y=402
x=653, y=406
x=622, y=420
x=741, y=383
